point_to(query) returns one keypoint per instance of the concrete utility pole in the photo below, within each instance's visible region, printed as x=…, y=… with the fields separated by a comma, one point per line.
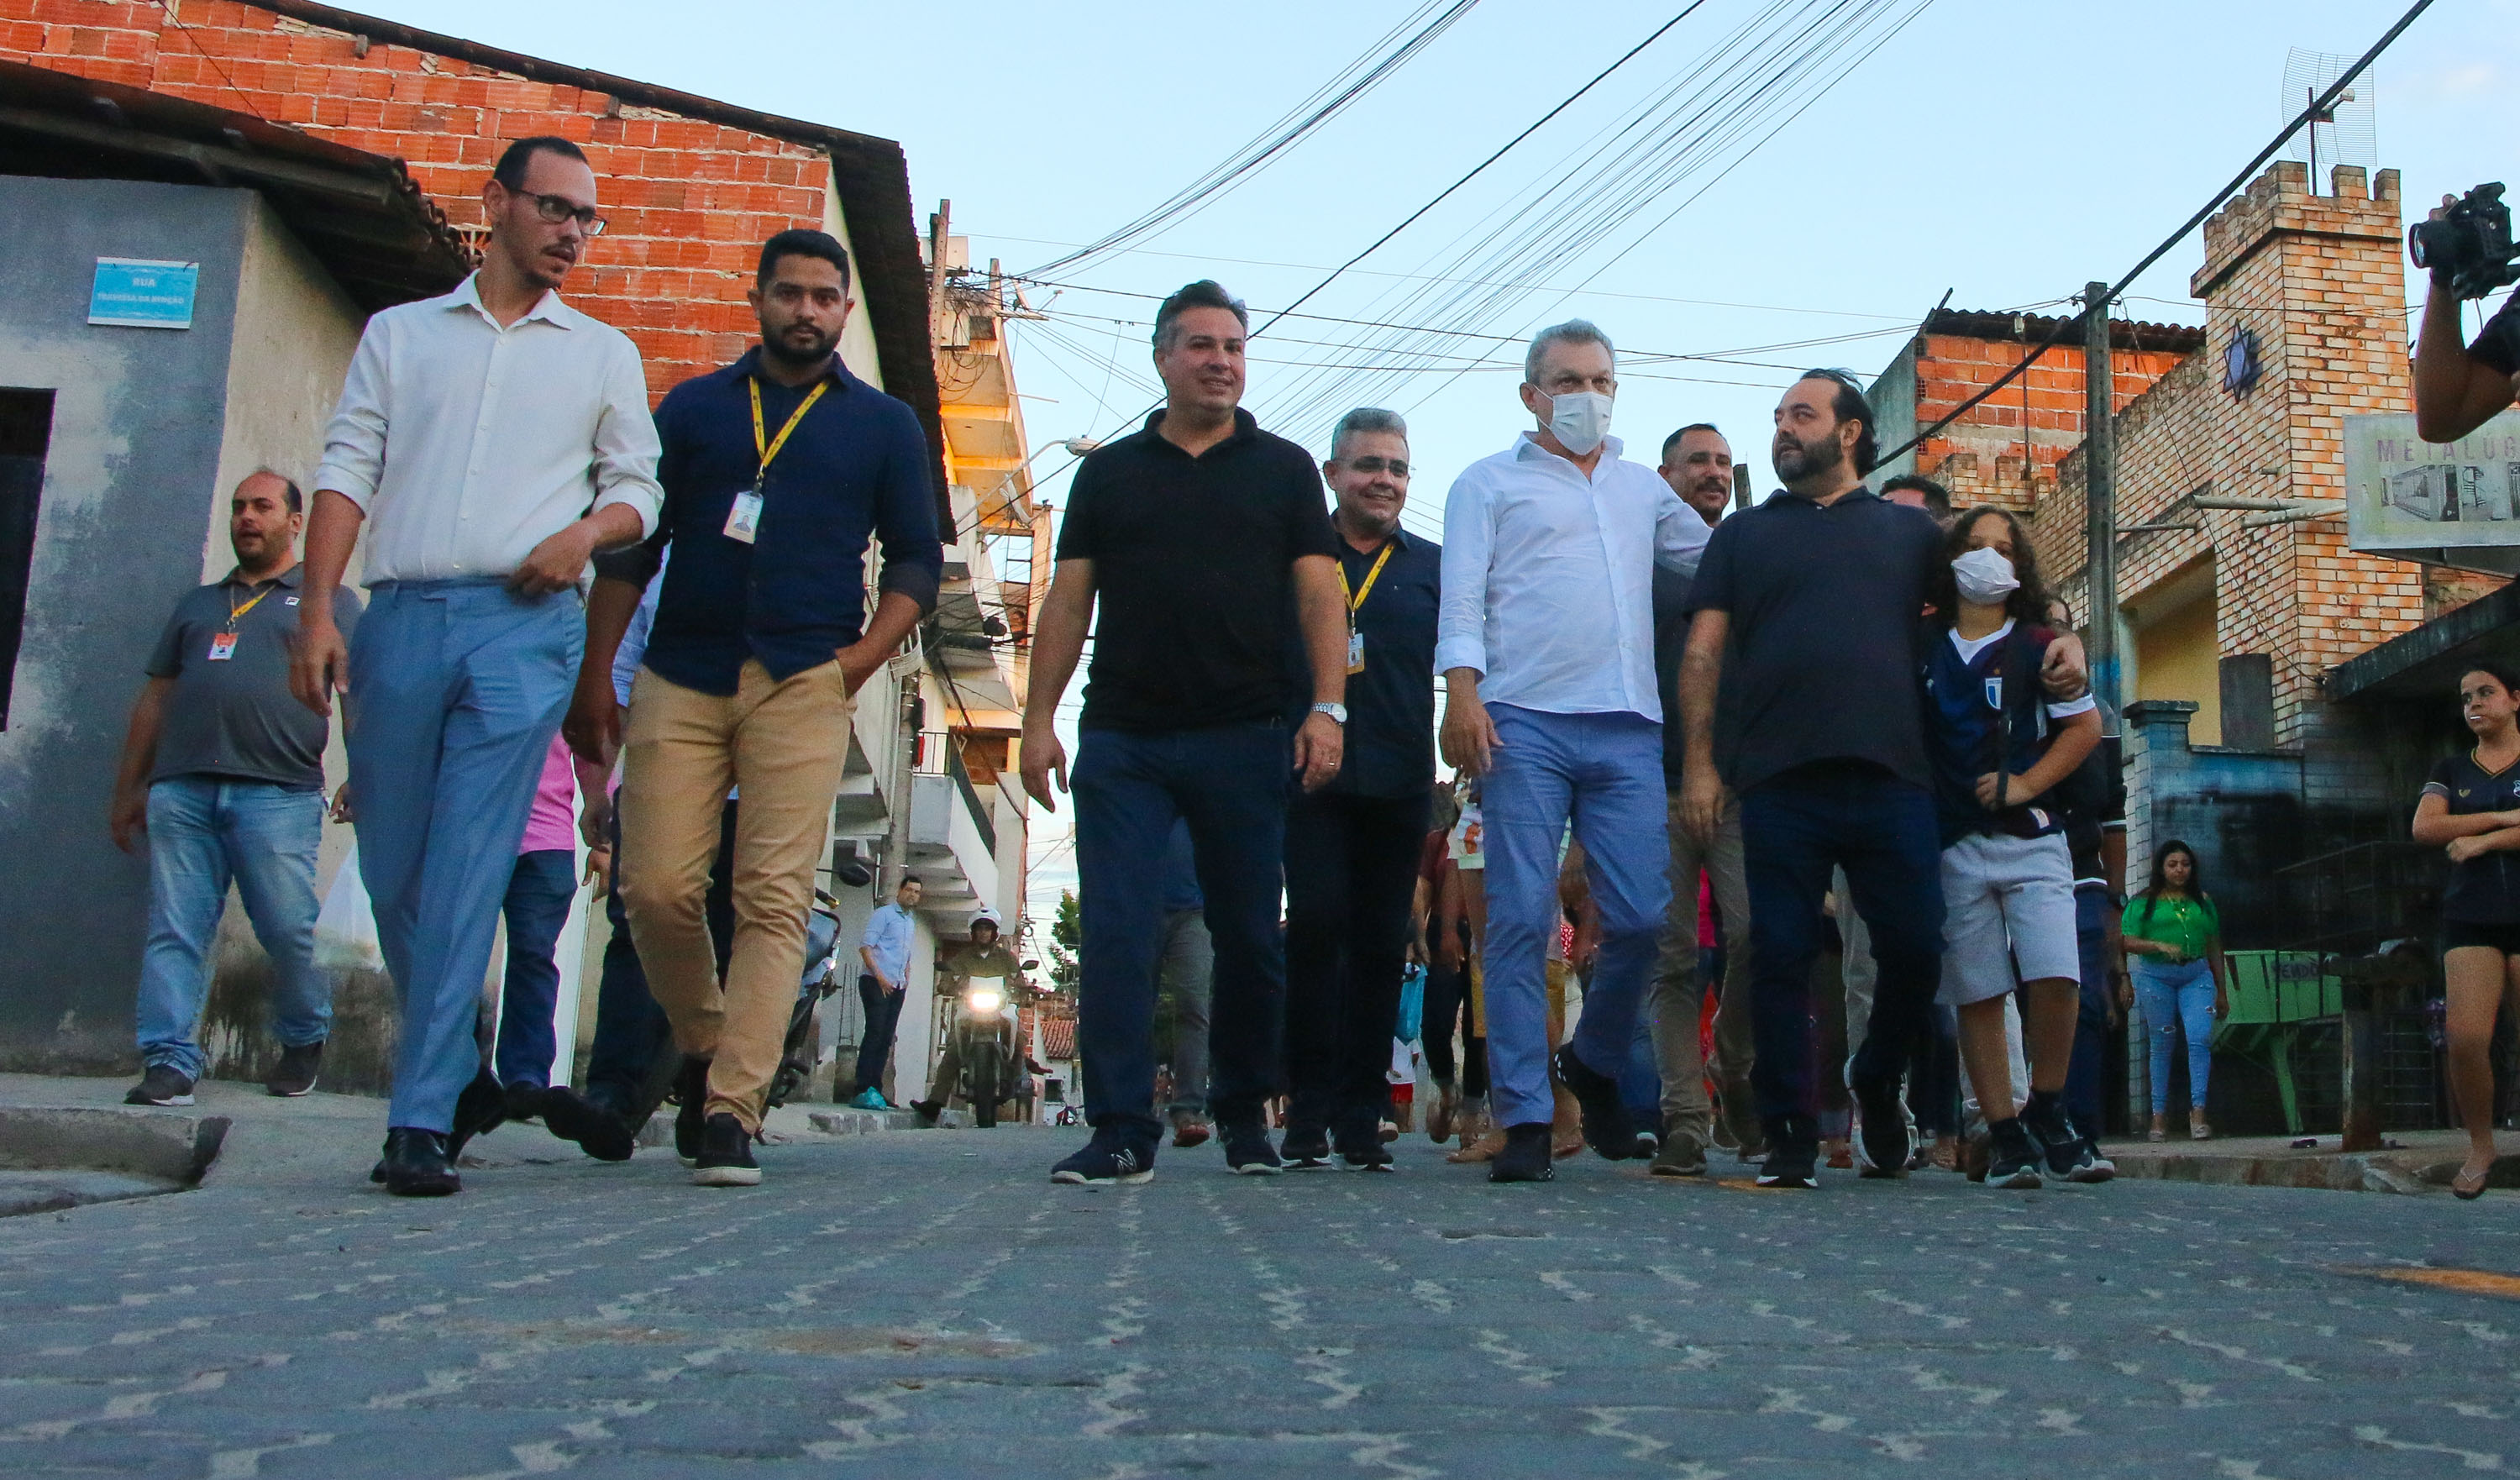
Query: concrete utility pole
x=2100, y=472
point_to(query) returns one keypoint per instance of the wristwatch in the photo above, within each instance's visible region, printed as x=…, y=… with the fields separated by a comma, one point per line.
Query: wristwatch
x=1337, y=713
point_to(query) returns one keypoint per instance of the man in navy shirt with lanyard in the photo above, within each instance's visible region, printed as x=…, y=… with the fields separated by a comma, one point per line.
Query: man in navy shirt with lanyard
x=1352, y=847
x=775, y=469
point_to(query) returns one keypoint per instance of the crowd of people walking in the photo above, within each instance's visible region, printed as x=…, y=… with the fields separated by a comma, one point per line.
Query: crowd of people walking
x=1788, y=830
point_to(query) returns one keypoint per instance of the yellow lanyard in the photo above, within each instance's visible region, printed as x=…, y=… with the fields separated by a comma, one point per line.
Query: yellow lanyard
x=1356, y=599
x=767, y=447
x=236, y=613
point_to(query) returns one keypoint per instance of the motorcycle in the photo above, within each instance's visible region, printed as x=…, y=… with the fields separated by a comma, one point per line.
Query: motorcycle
x=822, y=978
x=988, y=1048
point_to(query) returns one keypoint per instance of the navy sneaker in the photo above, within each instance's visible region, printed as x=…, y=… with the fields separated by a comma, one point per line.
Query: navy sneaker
x=725, y=1155
x=1793, y=1154
x=298, y=1068
x=2011, y=1160
x=1248, y=1151
x=163, y=1084
x=1107, y=1160
x=2068, y=1153
x=1881, y=1127
x=598, y=1132
x=1526, y=1158
x=1306, y=1150
x=1607, y=1130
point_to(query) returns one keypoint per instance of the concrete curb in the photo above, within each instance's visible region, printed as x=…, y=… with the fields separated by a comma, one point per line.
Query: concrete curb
x=168, y=1145
x=2409, y=1173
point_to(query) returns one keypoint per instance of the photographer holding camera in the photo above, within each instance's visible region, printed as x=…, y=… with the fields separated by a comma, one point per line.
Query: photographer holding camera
x=2466, y=245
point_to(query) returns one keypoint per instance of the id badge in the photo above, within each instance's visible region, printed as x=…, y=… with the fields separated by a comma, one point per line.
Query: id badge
x=743, y=521
x=1355, y=651
x=222, y=646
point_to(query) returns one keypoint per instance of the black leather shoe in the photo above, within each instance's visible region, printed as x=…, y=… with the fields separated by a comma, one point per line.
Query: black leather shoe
x=691, y=1112
x=598, y=1132
x=416, y=1164
x=1526, y=1158
x=519, y=1102
x=481, y=1108
x=1607, y=1130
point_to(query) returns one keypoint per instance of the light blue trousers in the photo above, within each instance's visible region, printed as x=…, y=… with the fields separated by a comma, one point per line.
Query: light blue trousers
x=204, y=831
x=1603, y=773
x=456, y=689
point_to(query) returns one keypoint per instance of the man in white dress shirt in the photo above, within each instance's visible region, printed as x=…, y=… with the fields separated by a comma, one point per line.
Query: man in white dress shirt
x=1545, y=639
x=490, y=441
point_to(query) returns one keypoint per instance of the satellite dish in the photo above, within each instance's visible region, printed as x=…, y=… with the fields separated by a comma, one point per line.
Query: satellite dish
x=2346, y=134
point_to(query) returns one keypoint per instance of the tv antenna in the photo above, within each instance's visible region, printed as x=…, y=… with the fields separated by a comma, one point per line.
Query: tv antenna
x=2347, y=133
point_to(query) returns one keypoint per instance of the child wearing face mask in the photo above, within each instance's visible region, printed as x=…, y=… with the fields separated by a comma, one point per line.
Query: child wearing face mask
x=1999, y=747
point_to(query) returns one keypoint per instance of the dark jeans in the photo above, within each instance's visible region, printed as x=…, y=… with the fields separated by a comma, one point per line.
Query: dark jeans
x=1796, y=827
x=1448, y=1003
x=1351, y=870
x=2082, y=1075
x=1229, y=784
x=632, y=1032
x=1934, y=1075
x=539, y=893
x=875, y=1044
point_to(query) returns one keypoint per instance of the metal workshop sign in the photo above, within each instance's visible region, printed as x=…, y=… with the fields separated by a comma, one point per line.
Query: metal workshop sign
x=2448, y=503
x=135, y=293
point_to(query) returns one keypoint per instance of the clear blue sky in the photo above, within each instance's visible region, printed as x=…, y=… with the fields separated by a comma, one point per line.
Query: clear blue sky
x=2004, y=148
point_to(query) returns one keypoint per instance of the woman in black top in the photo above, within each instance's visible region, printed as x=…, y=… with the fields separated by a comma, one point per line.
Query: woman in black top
x=2471, y=808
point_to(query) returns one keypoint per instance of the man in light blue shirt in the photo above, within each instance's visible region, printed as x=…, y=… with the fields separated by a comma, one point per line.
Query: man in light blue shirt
x=1545, y=640
x=883, y=954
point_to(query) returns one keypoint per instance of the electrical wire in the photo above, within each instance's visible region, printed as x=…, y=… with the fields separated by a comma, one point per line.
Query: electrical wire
x=1387, y=55
x=2238, y=182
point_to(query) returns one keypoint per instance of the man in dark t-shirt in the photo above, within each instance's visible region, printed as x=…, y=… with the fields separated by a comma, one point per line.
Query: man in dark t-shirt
x=1202, y=537
x=223, y=779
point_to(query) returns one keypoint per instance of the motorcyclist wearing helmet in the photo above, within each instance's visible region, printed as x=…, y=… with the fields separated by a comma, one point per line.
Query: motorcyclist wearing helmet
x=986, y=956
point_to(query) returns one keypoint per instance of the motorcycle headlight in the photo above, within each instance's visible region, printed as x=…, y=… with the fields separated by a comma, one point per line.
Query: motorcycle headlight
x=984, y=1001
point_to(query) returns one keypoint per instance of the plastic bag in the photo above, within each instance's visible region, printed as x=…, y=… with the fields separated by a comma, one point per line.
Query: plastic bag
x=345, y=929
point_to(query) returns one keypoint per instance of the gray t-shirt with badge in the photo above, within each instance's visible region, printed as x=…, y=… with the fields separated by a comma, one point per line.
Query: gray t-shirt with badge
x=229, y=713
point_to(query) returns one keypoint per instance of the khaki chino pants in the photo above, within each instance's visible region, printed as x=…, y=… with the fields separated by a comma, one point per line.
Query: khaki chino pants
x=783, y=744
x=1678, y=993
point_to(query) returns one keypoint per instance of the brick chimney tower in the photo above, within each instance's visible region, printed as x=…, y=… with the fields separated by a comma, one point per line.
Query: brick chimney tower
x=2305, y=301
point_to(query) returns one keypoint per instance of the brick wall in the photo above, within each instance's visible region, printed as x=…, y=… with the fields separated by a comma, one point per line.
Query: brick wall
x=1980, y=458
x=2317, y=280
x=689, y=201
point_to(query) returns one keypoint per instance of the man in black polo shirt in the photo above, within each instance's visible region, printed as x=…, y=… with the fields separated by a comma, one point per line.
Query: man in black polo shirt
x=1800, y=691
x=1352, y=847
x=775, y=469
x=1205, y=538
x=2463, y=384
x=223, y=776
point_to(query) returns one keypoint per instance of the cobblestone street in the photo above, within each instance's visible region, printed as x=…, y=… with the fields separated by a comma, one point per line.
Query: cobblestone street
x=929, y=1303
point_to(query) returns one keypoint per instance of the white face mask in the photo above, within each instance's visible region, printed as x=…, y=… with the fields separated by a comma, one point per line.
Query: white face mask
x=1580, y=419
x=1984, y=576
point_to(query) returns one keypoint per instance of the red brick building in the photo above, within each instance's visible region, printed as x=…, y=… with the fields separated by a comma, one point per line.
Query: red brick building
x=2006, y=450
x=691, y=186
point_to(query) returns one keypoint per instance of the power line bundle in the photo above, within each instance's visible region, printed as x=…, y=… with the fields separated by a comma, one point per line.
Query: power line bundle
x=1388, y=53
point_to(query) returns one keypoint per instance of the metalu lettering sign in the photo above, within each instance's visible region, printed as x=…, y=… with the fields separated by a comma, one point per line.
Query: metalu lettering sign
x=2449, y=503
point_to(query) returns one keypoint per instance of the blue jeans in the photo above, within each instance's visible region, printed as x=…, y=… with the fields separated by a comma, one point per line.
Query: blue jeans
x=460, y=686
x=1603, y=773
x=205, y=831
x=539, y=893
x=2083, y=1098
x=2176, y=998
x=1229, y=784
x=1795, y=828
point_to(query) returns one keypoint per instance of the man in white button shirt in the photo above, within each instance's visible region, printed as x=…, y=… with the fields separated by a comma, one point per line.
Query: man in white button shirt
x=490, y=441
x=1546, y=642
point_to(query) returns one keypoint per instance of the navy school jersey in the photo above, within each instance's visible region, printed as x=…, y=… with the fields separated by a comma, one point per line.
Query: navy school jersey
x=1984, y=713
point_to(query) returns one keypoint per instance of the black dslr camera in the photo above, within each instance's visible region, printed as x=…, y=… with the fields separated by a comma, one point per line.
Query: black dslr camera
x=2469, y=247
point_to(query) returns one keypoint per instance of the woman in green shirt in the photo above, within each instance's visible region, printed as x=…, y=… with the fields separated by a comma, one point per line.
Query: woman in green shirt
x=2180, y=979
